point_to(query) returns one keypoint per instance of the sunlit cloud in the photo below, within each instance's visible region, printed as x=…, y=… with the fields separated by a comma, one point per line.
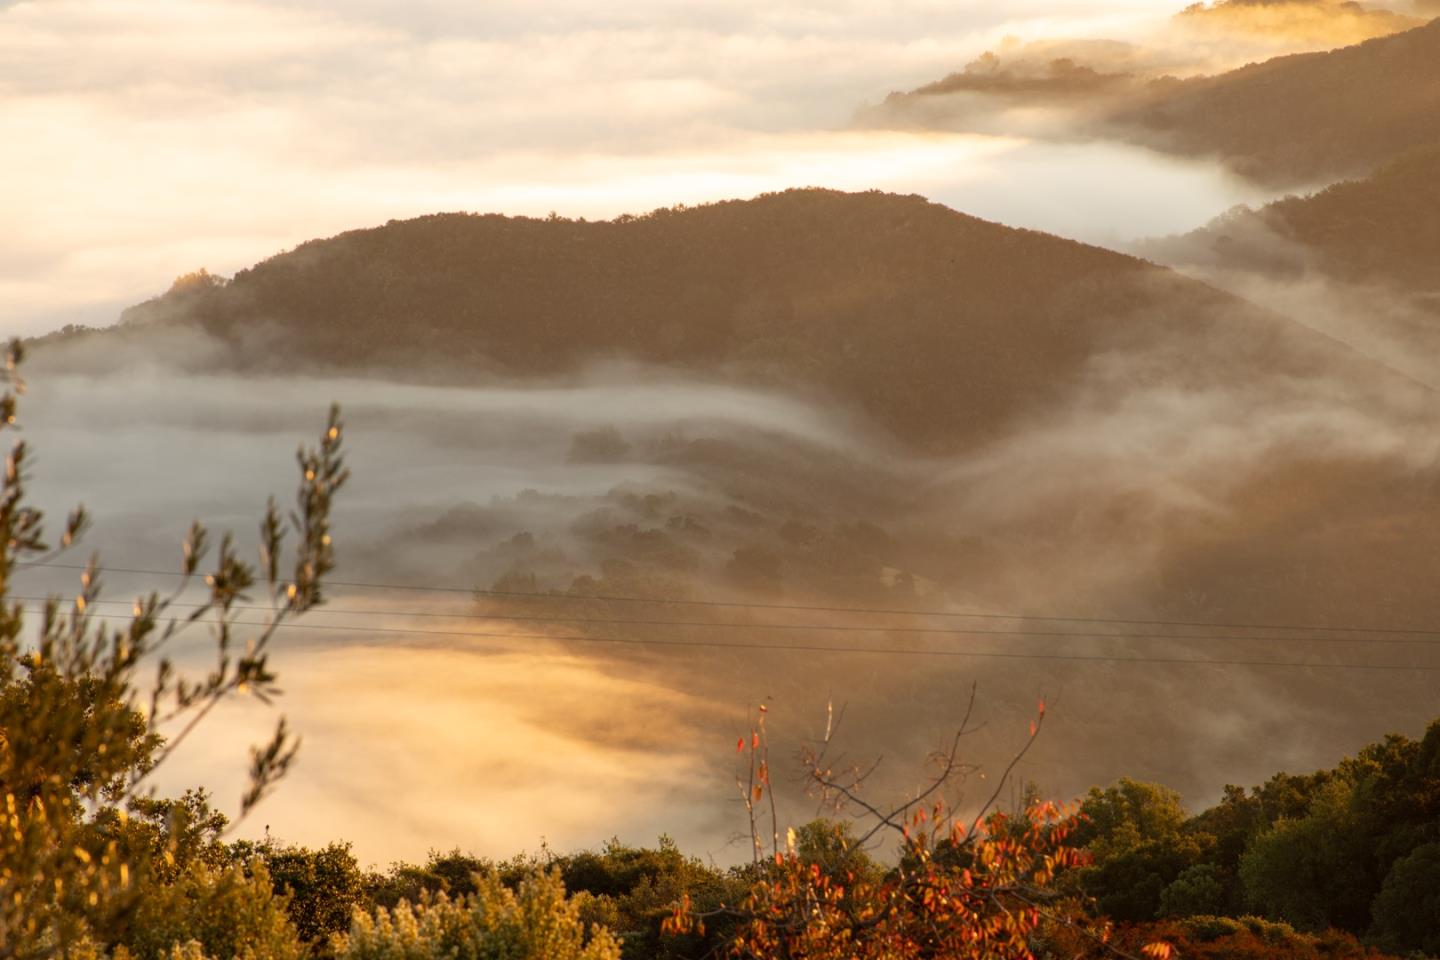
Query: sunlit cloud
x=497, y=748
x=147, y=139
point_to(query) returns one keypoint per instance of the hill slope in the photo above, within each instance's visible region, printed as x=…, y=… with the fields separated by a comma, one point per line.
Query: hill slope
x=939, y=326
x=1381, y=229
x=1296, y=119
x=1307, y=117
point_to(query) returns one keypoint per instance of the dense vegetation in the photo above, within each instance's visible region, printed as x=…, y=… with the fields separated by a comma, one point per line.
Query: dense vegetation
x=939, y=326
x=1300, y=119
x=1384, y=228
x=1304, y=865
x=1304, y=118
x=1354, y=848
x=1333, y=864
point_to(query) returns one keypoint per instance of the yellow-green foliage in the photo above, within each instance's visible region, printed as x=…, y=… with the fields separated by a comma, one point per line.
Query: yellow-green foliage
x=535, y=922
x=219, y=914
x=86, y=949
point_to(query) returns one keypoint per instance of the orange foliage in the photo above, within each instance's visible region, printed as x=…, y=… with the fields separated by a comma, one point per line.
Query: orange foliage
x=956, y=893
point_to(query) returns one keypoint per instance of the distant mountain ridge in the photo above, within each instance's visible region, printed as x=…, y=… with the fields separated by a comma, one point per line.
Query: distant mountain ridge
x=1297, y=120
x=1303, y=118
x=938, y=326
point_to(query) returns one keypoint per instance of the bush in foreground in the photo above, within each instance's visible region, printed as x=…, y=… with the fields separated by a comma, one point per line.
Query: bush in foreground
x=534, y=922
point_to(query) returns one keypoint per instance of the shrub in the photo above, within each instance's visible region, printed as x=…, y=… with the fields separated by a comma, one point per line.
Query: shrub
x=222, y=914
x=534, y=922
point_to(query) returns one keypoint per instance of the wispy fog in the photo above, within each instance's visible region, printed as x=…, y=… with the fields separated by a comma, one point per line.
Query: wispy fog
x=436, y=719
x=1389, y=321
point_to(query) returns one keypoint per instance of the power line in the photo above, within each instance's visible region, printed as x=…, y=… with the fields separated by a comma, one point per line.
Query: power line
x=819, y=627
x=735, y=604
x=828, y=648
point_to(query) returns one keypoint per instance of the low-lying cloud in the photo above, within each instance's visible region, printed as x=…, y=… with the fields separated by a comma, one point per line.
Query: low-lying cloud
x=495, y=722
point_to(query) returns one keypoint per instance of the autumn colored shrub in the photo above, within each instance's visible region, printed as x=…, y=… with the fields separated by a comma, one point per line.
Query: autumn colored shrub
x=960, y=893
x=977, y=887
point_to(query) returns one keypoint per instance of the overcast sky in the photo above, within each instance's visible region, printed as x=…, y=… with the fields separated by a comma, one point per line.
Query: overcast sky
x=146, y=138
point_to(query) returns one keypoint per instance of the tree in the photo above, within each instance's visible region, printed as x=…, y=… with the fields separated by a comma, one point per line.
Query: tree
x=535, y=922
x=1407, y=911
x=79, y=729
x=973, y=887
x=832, y=846
x=323, y=888
x=1313, y=872
x=632, y=891
x=230, y=913
x=1199, y=890
x=197, y=280
x=1128, y=813
x=1135, y=834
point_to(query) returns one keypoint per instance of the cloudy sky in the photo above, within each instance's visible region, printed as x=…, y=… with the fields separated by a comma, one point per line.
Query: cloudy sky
x=147, y=138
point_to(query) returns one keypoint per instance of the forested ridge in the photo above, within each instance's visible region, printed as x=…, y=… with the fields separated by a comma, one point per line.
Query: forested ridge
x=1307, y=117
x=1296, y=120
x=938, y=326
x=1384, y=228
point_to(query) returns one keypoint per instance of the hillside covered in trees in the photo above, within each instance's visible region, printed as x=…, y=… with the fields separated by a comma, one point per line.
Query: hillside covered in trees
x=1380, y=229
x=1303, y=118
x=940, y=327
x=1296, y=120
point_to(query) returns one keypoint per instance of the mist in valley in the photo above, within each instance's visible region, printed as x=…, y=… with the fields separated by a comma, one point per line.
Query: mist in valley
x=543, y=716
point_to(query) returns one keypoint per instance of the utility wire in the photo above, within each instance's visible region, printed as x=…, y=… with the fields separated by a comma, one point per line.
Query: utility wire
x=538, y=595
x=819, y=627
x=827, y=648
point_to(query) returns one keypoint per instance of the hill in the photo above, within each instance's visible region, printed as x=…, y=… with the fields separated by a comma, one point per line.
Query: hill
x=940, y=327
x=1355, y=260
x=1126, y=442
x=1302, y=118
x=1384, y=228
x=1299, y=119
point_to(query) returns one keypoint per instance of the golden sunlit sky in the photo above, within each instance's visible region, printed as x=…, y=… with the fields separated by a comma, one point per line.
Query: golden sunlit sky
x=146, y=138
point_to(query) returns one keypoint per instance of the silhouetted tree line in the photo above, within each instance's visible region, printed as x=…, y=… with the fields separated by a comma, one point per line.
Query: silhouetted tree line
x=1354, y=848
